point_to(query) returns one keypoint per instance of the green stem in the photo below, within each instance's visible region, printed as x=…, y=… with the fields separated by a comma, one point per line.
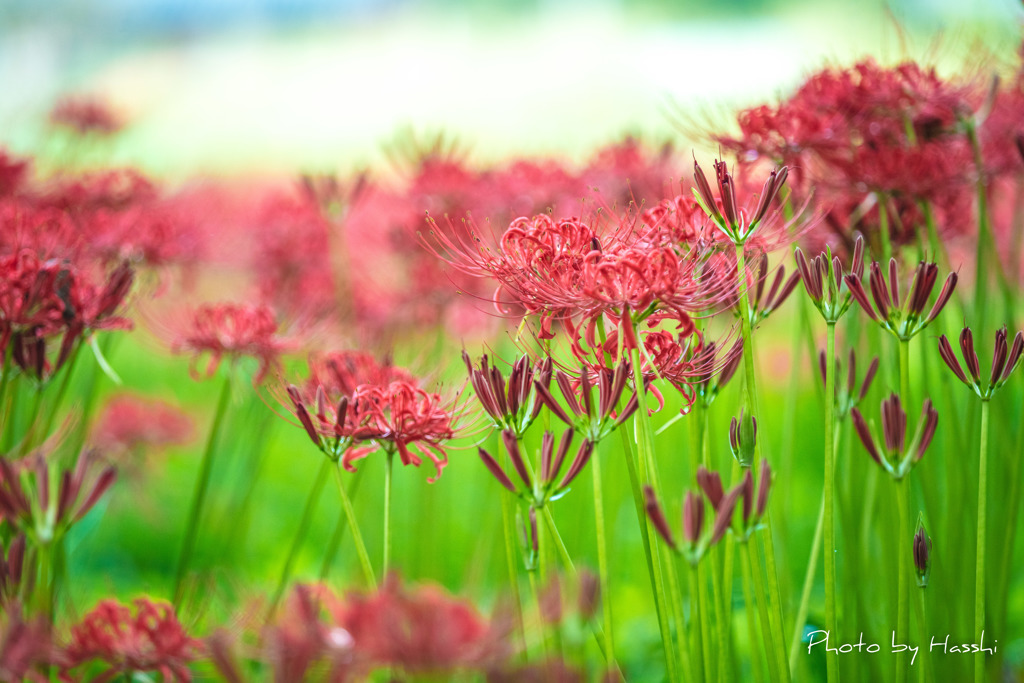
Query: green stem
x=755, y=652
x=805, y=593
x=701, y=618
x=777, y=624
x=979, y=593
x=339, y=531
x=602, y=561
x=51, y=414
x=919, y=614
x=511, y=556
x=904, y=551
x=753, y=562
x=904, y=360
x=645, y=455
x=202, y=485
x=832, y=658
x=300, y=535
x=388, y=466
x=353, y=526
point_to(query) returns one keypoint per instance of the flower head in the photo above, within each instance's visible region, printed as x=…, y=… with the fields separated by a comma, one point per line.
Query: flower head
x=903, y=317
x=1004, y=361
x=147, y=639
x=510, y=403
x=129, y=423
x=85, y=115
x=922, y=554
x=893, y=453
x=824, y=279
x=736, y=222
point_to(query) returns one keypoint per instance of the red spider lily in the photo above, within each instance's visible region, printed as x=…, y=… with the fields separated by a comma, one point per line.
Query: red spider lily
x=850, y=396
x=232, y=330
x=1005, y=359
x=544, y=489
x=26, y=647
x=893, y=453
x=34, y=509
x=922, y=554
x=598, y=418
x=825, y=280
x=129, y=423
x=736, y=223
x=904, y=318
x=420, y=631
x=511, y=403
x=12, y=174
x=753, y=507
x=696, y=537
x=85, y=115
x=398, y=417
x=147, y=639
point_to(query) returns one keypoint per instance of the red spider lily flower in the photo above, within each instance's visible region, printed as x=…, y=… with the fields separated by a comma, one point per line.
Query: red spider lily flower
x=420, y=631
x=12, y=562
x=849, y=397
x=85, y=115
x=235, y=331
x=922, y=554
x=129, y=423
x=401, y=417
x=696, y=537
x=594, y=417
x=893, y=453
x=1004, y=361
x=544, y=489
x=78, y=492
x=825, y=280
x=511, y=403
x=147, y=639
x=904, y=318
x=738, y=224
x=26, y=647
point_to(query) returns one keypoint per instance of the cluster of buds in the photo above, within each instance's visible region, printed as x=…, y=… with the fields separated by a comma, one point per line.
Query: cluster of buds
x=511, y=403
x=753, y=509
x=849, y=396
x=697, y=537
x=893, y=453
x=710, y=383
x=35, y=508
x=742, y=438
x=593, y=417
x=1004, y=361
x=538, y=490
x=827, y=282
x=763, y=304
x=902, y=317
x=730, y=219
x=922, y=554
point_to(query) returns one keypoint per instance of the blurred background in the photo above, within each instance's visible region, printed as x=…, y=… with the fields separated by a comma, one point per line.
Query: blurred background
x=276, y=86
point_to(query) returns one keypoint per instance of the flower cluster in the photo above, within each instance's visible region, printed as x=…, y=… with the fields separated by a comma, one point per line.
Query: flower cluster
x=1004, y=361
x=893, y=453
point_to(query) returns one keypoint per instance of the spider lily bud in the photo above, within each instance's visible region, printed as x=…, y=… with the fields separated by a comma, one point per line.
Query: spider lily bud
x=657, y=517
x=893, y=453
x=512, y=403
x=742, y=437
x=762, y=305
x=729, y=218
x=697, y=536
x=753, y=507
x=595, y=419
x=849, y=397
x=715, y=373
x=922, y=554
x=904, y=318
x=825, y=280
x=711, y=484
x=1004, y=361
x=693, y=517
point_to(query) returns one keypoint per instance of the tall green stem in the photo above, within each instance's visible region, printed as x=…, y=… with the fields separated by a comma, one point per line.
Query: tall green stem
x=353, y=526
x=832, y=658
x=753, y=562
x=750, y=384
x=602, y=562
x=300, y=535
x=748, y=599
x=388, y=466
x=202, y=485
x=979, y=592
x=339, y=531
x=805, y=593
x=905, y=551
x=904, y=358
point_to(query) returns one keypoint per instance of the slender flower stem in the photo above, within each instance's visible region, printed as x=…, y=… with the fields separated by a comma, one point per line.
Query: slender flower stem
x=300, y=535
x=904, y=358
x=5, y=379
x=388, y=466
x=832, y=658
x=58, y=399
x=602, y=560
x=753, y=561
x=905, y=552
x=508, y=527
x=353, y=526
x=805, y=593
x=339, y=531
x=979, y=593
x=645, y=456
x=748, y=599
x=777, y=624
x=925, y=673
x=202, y=485
x=700, y=617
